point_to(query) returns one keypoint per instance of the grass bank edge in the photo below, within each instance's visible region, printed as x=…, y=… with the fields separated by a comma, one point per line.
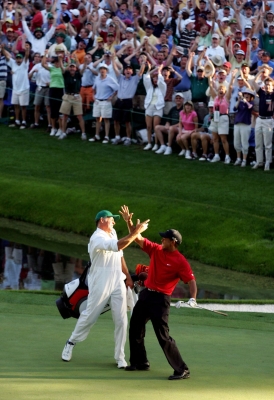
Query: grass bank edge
x=229, y=241
x=56, y=294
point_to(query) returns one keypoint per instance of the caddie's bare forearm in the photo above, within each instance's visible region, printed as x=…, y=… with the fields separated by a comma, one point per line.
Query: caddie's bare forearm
x=127, y=240
x=129, y=281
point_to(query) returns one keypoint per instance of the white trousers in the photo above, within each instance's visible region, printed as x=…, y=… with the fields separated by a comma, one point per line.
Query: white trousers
x=263, y=139
x=97, y=299
x=241, y=136
x=13, y=266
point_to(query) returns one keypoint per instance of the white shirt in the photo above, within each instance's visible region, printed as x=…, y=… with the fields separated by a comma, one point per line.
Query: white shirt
x=38, y=45
x=42, y=75
x=215, y=51
x=20, y=80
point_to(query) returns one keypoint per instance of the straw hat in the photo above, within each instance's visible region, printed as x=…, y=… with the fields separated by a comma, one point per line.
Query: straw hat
x=266, y=66
x=217, y=60
x=209, y=69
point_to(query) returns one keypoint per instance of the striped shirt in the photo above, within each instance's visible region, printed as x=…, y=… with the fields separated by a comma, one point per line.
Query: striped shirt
x=3, y=68
x=186, y=38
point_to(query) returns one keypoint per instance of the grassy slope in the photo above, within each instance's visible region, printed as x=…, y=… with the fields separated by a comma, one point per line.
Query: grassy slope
x=229, y=358
x=225, y=213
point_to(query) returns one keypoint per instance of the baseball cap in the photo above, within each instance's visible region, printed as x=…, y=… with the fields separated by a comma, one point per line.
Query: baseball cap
x=202, y=15
x=248, y=27
x=149, y=26
x=266, y=54
x=200, y=68
x=254, y=38
x=222, y=71
x=215, y=35
x=9, y=30
x=50, y=16
x=225, y=19
x=186, y=10
x=245, y=65
x=110, y=34
x=233, y=21
x=106, y=213
x=61, y=26
x=211, y=104
x=227, y=64
x=188, y=21
x=180, y=94
x=10, y=21
x=75, y=12
x=240, y=52
x=99, y=39
x=19, y=55
x=131, y=30
x=172, y=234
x=72, y=63
x=201, y=48
x=129, y=66
x=63, y=2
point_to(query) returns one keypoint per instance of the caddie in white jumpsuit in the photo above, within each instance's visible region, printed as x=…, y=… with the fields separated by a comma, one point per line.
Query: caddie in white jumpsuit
x=106, y=281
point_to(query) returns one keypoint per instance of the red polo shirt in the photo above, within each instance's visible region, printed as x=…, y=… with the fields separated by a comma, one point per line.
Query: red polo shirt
x=166, y=268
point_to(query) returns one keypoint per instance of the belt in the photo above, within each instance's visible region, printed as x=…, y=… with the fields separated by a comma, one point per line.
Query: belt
x=101, y=99
x=124, y=99
x=265, y=117
x=87, y=86
x=223, y=114
x=151, y=290
x=72, y=94
x=44, y=87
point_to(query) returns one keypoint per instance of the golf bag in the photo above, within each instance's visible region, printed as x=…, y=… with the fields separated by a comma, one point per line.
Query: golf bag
x=74, y=297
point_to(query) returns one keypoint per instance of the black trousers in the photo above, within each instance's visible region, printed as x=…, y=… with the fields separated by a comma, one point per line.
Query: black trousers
x=154, y=306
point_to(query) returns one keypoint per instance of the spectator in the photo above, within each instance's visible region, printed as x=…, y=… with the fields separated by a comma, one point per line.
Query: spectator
x=56, y=91
x=72, y=100
x=38, y=39
x=88, y=77
x=104, y=87
x=4, y=57
x=20, y=85
x=154, y=102
x=188, y=124
x=204, y=134
x=37, y=20
x=171, y=127
x=123, y=105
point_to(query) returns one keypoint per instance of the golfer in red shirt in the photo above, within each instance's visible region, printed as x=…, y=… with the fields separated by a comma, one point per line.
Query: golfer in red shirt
x=167, y=266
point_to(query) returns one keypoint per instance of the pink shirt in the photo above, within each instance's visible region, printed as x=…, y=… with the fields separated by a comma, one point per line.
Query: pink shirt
x=187, y=120
x=223, y=105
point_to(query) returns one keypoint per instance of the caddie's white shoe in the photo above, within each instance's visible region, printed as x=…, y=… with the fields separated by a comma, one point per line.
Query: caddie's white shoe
x=121, y=364
x=67, y=352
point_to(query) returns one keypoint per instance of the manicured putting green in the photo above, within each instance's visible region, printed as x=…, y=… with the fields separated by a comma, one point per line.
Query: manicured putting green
x=229, y=358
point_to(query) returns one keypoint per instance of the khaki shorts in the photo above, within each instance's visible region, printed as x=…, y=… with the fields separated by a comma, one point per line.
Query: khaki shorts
x=21, y=99
x=102, y=109
x=221, y=127
x=73, y=102
x=2, y=89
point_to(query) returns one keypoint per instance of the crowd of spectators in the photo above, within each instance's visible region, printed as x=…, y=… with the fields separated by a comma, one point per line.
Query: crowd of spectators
x=195, y=68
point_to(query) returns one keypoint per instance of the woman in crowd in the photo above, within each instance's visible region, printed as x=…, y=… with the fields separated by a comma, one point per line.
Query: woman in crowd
x=188, y=124
x=220, y=123
x=56, y=88
x=154, y=101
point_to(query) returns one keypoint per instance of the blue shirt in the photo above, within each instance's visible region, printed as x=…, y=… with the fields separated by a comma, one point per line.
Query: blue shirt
x=105, y=87
x=127, y=87
x=243, y=113
x=270, y=63
x=185, y=83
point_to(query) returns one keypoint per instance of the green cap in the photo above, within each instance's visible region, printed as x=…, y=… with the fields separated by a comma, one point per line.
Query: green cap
x=19, y=55
x=106, y=214
x=50, y=16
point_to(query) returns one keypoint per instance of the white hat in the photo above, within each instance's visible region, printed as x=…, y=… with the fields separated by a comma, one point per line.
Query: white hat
x=248, y=26
x=225, y=19
x=249, y=91
x=201, y=48
x=129, y=29
x=240, y=52
x=217, y=60
x=63, y=2
x=215, y=35
x=180, y=50
x=179, y=94
x=103, y=66
x=75, y=12
x=211, y=104
x=209, y=69
x=188, y=21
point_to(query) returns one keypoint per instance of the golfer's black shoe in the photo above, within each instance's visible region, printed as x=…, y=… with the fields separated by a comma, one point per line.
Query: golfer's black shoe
x=139, y=367
x=184, y=375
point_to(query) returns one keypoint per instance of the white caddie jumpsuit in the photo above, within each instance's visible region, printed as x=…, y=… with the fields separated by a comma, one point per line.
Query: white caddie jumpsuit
x=105, y=281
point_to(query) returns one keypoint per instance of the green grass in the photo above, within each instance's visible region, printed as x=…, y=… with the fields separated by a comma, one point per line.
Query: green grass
x=225, y=214
x=229, y=358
